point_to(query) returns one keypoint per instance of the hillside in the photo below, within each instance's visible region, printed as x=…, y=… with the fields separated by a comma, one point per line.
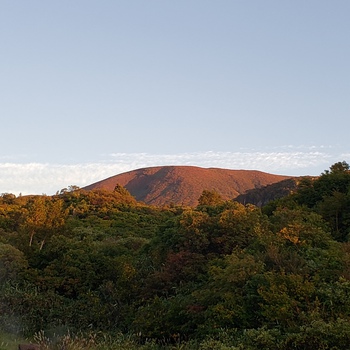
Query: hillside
x=262, y=195
x=183, y=185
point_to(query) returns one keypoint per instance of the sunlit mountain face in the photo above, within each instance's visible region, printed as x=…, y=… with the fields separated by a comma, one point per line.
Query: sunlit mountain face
x=183, y=185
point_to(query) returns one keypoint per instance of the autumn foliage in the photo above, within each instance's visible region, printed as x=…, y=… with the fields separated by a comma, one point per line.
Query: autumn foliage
x=219, y=275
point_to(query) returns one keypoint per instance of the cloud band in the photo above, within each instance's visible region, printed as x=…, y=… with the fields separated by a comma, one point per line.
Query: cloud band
x=39, y=178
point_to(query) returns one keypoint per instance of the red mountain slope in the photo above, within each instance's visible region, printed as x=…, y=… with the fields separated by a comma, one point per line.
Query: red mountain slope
x=183, y=185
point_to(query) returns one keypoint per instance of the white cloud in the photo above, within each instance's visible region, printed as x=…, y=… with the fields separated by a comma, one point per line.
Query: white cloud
x=38, y=178
x=285, y=161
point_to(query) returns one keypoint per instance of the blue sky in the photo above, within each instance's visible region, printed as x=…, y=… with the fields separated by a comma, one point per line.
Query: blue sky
x=89, y=89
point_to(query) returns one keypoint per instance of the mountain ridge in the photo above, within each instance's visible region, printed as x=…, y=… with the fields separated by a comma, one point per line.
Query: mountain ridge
x=183, y=184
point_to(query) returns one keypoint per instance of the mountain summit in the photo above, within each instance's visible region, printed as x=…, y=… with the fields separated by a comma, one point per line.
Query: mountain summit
x=183, y=185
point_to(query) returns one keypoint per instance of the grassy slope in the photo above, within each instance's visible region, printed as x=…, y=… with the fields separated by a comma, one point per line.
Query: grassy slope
x=10, y=341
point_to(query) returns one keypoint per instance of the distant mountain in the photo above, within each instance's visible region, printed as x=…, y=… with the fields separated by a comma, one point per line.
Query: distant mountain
x=261, y=196
x=183, y=185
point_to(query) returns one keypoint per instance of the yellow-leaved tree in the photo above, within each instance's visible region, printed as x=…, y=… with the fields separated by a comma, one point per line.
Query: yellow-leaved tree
x=41, y=217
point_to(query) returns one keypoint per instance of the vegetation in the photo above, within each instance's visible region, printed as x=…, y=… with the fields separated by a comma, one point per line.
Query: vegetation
x=98, y=270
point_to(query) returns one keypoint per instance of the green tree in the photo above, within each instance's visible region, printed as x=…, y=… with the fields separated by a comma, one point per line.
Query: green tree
x=225, y=297
x=339, y=167
x=12, y=263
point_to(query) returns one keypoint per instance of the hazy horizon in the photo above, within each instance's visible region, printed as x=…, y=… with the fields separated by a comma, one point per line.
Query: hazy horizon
x=48, y=178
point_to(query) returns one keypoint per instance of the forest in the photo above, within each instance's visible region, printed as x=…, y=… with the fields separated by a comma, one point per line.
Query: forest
x=99, y=270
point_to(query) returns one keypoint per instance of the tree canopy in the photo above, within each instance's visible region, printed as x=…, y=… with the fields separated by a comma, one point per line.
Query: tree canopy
x=219, y=275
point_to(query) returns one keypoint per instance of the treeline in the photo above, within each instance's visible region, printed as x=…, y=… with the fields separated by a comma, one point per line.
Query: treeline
x=227, y=275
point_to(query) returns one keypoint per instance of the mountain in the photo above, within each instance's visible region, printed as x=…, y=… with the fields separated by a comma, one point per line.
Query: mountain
x=261, y=196
x=183, y=185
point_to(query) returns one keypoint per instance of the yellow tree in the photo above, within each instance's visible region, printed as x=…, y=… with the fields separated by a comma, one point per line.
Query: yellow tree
x=42, y=216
